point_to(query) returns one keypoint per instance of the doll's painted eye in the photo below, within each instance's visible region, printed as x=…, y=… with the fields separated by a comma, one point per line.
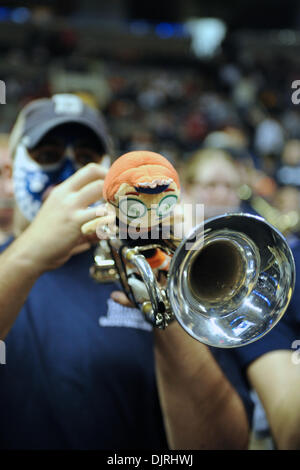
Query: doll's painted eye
x=166, y=205
x=133, y=208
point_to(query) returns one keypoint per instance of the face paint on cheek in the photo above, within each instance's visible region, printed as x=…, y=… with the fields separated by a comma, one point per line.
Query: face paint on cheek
x=31, y=180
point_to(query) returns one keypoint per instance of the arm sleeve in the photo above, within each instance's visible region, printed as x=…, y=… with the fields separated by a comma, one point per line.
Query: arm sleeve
x=234, y=362
x=280, y=337
x=283, y=334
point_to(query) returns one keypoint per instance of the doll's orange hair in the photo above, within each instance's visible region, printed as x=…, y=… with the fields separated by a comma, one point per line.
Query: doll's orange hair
x=135, y=168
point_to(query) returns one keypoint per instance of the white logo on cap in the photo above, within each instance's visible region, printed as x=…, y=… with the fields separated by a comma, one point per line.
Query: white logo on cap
x=67, y=104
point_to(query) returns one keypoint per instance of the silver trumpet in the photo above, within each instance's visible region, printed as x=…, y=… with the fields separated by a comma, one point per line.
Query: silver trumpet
x=229, y=282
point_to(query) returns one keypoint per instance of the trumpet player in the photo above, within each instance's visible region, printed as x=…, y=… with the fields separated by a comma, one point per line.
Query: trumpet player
x=83, y=369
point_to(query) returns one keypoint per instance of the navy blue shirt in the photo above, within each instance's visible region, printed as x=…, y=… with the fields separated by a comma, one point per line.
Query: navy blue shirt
x=79, y=370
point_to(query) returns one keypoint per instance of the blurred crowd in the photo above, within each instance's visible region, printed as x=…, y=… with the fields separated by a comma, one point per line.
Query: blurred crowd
x=230, y=128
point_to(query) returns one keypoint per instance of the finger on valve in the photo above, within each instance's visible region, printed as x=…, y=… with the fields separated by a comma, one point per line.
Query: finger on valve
x=97, y=224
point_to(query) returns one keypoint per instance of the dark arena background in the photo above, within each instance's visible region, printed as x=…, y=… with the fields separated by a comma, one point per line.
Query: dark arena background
x=168, y=76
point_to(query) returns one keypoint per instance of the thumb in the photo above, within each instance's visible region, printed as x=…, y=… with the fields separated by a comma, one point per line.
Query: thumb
x=121, y=298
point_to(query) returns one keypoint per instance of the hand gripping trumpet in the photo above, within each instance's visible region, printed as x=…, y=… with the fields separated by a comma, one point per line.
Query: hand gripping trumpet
x=227, y=283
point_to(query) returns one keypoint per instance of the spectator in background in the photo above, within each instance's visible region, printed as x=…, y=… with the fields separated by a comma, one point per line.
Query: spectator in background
x=287, y=201
x=269, y=141
x=288, y=169
x=6, y=190
x=212, y=177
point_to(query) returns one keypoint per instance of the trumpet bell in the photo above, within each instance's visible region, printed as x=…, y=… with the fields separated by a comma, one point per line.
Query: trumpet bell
x=231, y=280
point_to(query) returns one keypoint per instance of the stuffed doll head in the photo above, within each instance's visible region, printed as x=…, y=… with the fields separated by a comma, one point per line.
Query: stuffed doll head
x=143, y=187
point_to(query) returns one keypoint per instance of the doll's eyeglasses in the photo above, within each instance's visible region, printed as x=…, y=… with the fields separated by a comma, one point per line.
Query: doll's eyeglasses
x=135, y=209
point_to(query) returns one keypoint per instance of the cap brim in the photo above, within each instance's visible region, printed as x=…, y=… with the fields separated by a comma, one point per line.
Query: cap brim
x=40, y=131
